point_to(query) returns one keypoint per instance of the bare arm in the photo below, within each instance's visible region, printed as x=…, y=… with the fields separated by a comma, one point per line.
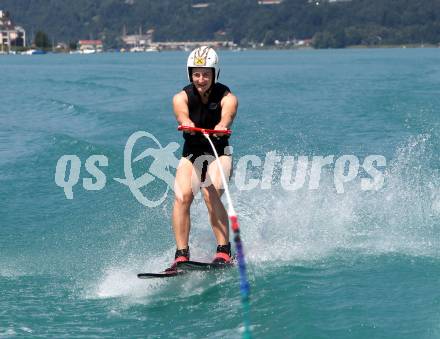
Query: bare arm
x=181, y=111
x=229, y=105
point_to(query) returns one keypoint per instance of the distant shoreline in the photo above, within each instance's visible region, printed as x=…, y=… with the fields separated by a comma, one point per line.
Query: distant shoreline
x=243, y=49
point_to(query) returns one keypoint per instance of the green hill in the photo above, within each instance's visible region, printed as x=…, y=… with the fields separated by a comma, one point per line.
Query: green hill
x=335, y=24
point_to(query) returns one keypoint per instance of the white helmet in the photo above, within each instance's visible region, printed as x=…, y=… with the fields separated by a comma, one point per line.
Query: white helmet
x=203, y=57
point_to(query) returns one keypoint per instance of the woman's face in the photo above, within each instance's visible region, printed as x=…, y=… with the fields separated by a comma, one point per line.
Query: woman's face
x=202, y=78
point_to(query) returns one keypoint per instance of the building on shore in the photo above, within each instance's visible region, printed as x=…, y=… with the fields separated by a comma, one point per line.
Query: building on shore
x=10, y=34
x=270, y=2
x=201, y=5
x=318, y=2
x=189, y=45
x=137, y=42
x=144, y=42
x=90, y=46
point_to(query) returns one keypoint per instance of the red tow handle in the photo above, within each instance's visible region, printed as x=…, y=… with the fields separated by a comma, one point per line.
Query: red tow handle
x=203, y=130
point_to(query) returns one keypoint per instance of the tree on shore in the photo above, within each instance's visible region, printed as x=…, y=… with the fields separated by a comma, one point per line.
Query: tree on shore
x=42, y=40
x=73, y=45
x=334, y=24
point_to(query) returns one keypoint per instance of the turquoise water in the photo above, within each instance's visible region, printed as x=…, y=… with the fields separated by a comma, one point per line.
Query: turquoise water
x=359, y=264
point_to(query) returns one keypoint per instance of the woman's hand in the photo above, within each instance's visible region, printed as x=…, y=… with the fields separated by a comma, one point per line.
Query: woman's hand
x=188, y=123
x=220, y=127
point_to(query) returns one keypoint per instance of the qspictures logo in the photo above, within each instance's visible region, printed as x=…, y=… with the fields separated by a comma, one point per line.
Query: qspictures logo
x=294, y=170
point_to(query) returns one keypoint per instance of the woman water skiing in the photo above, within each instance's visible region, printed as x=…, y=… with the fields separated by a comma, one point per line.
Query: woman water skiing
x=204, y=103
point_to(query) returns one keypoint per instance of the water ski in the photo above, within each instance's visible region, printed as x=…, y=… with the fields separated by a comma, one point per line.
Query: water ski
x=202, y=266
x=185, y=266
x=164, y=274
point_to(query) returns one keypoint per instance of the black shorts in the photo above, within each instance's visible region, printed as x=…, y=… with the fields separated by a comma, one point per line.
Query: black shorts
x=202, y=155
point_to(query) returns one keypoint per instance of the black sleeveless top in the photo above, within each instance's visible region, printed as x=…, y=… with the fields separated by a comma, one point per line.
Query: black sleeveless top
x=205, y=115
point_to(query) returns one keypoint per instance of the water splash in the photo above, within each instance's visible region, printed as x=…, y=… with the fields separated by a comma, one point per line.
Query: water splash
x=402, y=217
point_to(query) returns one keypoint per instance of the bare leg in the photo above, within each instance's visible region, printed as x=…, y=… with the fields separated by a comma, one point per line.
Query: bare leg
x=184, y=184
x=212, y=196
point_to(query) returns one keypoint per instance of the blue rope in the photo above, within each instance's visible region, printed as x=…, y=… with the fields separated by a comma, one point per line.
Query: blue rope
x=244, y=286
